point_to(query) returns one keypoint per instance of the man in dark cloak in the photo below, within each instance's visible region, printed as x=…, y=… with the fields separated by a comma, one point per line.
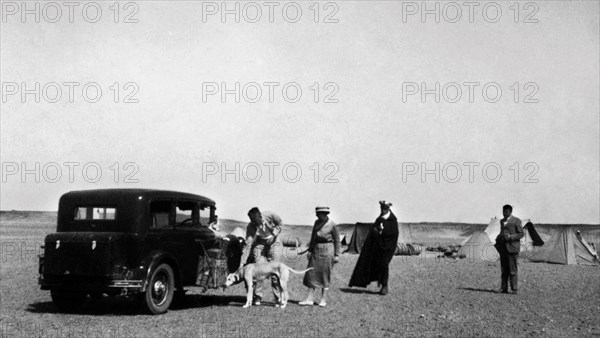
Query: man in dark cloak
x=377, y=251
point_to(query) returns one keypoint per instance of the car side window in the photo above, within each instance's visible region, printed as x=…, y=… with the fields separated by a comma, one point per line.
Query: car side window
x=182, y=215
x=160, y=212
x=205, y=215
x=186, y=213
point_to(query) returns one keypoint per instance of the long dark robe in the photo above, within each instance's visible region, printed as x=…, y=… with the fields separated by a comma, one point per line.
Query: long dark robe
x=376, y=253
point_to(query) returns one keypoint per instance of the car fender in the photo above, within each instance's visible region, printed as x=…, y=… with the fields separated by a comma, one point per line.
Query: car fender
x=151, y=261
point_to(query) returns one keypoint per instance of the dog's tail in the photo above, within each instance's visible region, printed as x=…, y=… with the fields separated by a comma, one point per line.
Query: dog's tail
x=299, y=272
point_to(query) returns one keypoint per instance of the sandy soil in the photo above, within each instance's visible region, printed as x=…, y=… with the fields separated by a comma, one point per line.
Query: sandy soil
x=429, y=297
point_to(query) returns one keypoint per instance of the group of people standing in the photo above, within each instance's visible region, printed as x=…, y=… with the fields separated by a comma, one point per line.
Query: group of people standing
x=376, y=254
x=323, y=251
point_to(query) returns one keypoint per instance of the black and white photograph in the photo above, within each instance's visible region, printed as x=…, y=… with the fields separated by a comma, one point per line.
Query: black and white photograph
x=302, y=168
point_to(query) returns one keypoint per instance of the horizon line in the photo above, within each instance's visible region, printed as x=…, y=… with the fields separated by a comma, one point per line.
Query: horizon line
x=440, y=222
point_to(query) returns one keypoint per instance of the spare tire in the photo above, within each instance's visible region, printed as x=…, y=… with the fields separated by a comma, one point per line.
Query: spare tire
x=233, y=248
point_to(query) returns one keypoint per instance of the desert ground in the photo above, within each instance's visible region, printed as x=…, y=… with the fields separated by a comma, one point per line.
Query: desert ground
x=429, y=297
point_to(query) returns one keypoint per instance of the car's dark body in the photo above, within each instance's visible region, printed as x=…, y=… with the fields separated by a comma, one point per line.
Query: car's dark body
x=116, y=256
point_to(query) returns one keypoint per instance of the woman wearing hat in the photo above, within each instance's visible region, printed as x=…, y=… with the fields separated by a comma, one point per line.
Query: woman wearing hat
x=323, y=251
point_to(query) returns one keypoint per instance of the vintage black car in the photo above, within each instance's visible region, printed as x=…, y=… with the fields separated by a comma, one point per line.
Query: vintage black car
x=146, y=243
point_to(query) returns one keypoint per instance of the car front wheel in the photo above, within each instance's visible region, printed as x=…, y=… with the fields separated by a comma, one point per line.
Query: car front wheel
x=160, y=289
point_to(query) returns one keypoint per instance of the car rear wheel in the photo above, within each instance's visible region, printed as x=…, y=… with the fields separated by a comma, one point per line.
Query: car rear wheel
x=67, y=300
x=160, y=289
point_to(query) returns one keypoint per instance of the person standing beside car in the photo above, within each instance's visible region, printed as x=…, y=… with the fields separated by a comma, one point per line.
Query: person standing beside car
x=261, y=236
x=323, y=251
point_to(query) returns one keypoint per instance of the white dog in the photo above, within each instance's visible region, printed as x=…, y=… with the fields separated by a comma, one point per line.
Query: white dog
x=258, y=272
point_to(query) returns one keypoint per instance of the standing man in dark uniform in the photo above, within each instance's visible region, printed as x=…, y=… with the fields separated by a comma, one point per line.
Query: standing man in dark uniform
x=377, y=251
x=508, y=244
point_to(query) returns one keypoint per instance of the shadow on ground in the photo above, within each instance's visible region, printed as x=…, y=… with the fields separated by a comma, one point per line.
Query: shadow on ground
x=358, y=291
x=477, y=290
x=130, y=306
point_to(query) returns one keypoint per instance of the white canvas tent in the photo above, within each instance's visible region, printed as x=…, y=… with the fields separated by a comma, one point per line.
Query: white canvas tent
x=345, y=239
x=405, y=233
x=566, y=246
x=480, y=245
x=493, y=230
x=361, y=230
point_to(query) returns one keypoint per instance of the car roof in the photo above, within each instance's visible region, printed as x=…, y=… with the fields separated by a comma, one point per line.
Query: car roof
x=133, y=193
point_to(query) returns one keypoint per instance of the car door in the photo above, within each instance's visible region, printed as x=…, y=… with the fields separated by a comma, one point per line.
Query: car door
x=179, y=227
x=186, y=240
x=165, y=234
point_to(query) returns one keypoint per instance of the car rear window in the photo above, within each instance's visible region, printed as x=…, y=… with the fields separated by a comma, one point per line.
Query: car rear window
x=89, y=213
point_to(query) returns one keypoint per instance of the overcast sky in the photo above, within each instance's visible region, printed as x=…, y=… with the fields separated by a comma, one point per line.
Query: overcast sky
x=370, y=133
